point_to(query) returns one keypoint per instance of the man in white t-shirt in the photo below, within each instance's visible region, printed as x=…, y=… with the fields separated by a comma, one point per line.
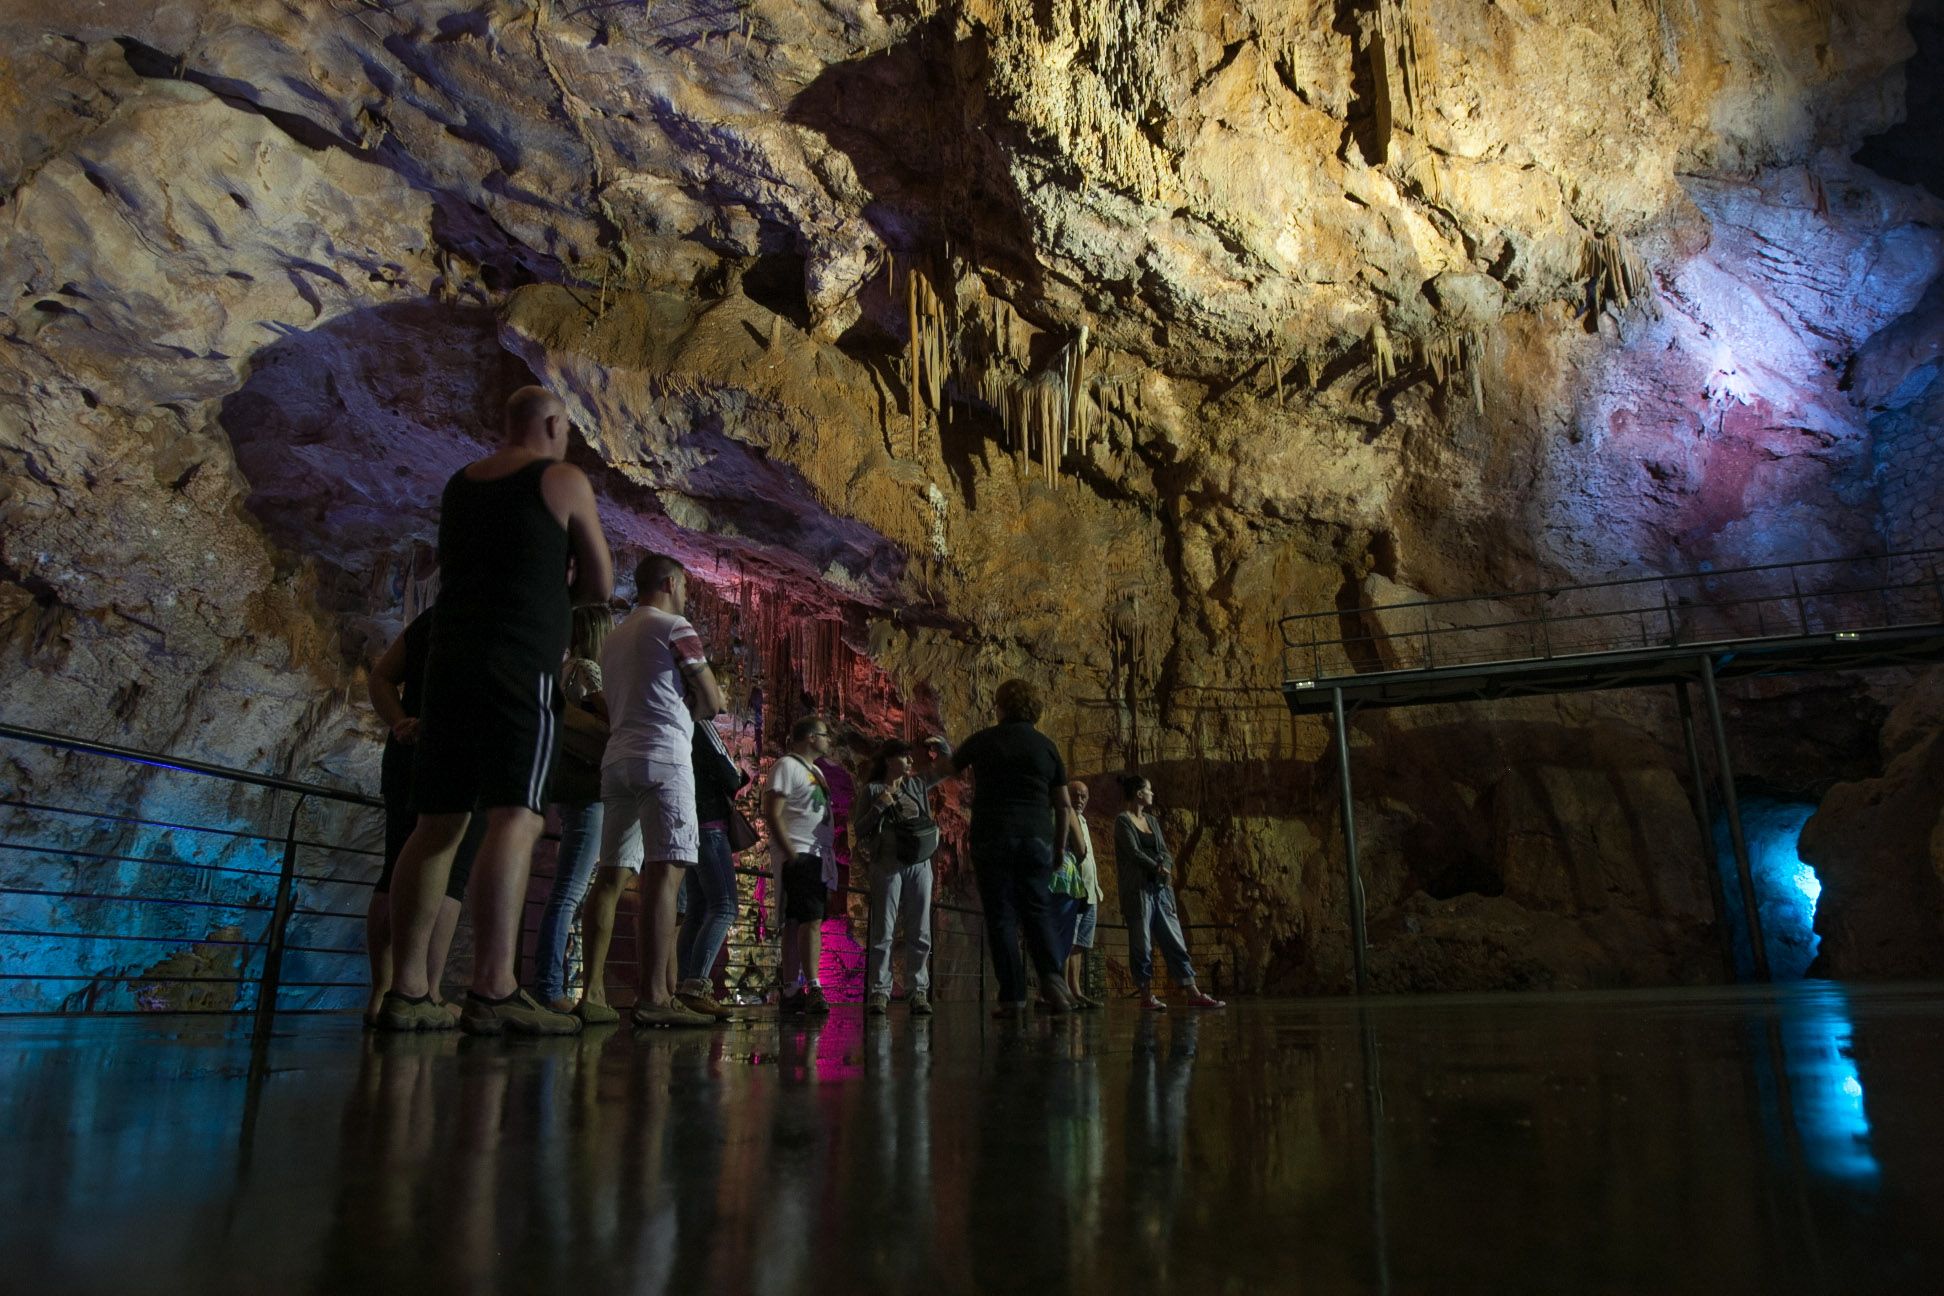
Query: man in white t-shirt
x=656, y=679
x=796, y=807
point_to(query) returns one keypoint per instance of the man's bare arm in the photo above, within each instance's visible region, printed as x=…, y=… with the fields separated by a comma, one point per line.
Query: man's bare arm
x=571, y=498
x=773, y=818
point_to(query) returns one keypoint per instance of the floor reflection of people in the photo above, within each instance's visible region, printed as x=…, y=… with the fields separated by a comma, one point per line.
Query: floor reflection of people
x=786, y=1223
x=1016, y=1195
x=386, y=1145
x=1157, y=1124
x=1078, y=1139
x=890, y=1207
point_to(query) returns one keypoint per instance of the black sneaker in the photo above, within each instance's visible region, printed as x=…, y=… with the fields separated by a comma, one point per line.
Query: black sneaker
x=791, y=1003
x=814, y=1002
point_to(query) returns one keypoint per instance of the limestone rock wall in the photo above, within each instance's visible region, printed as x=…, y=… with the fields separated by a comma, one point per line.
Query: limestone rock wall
x=1068, y=339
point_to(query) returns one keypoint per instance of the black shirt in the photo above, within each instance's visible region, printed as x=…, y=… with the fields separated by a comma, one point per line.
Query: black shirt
x=717, y=777
x=1017, y=768
x=503, y=597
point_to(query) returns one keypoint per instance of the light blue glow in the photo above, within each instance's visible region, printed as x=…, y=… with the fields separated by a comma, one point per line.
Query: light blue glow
x=1786, y=887
x=1828, y=1090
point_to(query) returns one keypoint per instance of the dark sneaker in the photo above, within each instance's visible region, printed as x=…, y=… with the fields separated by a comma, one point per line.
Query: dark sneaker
x=920, y=1004
x=595, y=1014
x=814, y=1002
x=398, y=1013
x=517, y=1014
x=791, y=1003
x=877, y=1005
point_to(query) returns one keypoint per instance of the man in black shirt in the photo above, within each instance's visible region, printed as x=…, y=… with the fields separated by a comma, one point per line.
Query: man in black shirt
x=1020, y=807
x=508, y=525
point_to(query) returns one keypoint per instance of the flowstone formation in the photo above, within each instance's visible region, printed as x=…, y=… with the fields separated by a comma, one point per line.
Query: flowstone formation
x=1075, y=340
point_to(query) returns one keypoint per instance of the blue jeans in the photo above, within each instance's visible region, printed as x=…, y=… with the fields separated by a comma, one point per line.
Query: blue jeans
x=711, y=909
x=900, y=894
x=1013, y=873
x=580, y=847
x=1149, y=909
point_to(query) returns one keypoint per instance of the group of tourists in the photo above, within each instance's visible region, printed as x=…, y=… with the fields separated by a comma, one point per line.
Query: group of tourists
x=520, y=690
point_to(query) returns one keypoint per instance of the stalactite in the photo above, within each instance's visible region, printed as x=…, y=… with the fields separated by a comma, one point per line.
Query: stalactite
x=924, y=351
x=1383, y=363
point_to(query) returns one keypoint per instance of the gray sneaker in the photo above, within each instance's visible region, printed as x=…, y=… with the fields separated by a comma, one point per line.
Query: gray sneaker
x=517, y=1014
x=877, y=1004
x=920, y=1004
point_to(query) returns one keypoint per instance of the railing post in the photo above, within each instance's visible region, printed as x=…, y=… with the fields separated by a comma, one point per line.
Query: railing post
x=1751, y=916
x=274, y=938
x=1545, y=628
x=982, y=956
x=1667, y=610
x=1716, y=892
x=1427, y=639
x=1350, y=839
x=1802, y=610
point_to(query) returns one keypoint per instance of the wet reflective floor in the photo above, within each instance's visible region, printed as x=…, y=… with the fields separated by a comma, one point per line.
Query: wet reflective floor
x=1719, y=1141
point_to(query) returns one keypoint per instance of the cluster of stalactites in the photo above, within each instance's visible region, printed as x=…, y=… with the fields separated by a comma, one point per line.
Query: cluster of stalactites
x=1452, y=356
x=1614, y=273
x=1083, y=80
x=926, y=368
x=1046, y=416
x=1391, y=46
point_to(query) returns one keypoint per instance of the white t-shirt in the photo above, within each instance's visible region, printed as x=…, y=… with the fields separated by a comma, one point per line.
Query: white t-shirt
x=644, y=665
x=804, y=814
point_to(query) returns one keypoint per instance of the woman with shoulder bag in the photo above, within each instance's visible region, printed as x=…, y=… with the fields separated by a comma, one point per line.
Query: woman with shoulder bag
x=894, y=823
x=710, y=886
x=575, y=792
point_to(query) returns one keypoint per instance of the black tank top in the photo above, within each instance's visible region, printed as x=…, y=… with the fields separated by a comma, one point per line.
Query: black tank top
x=503, y=598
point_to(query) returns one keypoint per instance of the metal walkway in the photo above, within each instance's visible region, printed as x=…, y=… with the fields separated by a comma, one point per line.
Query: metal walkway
x=1693, y=628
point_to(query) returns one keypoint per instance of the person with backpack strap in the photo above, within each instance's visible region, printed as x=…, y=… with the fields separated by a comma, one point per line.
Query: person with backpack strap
x=894, y=829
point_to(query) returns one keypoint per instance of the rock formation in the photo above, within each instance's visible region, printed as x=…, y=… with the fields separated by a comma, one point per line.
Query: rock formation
x=1073, y=339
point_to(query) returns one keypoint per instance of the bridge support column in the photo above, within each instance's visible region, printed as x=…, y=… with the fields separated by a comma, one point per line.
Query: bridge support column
x=1726, y=772
x=1350, y=839
x=1700, y=781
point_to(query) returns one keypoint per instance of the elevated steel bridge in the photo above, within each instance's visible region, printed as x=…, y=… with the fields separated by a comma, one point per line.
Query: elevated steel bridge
x=1652, y=631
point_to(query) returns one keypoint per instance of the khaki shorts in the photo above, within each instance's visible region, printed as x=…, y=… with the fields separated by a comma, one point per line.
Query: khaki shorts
x=648, y=813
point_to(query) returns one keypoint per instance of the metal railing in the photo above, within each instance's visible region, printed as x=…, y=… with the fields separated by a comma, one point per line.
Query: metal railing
x=1776, y=601
x=129, y=909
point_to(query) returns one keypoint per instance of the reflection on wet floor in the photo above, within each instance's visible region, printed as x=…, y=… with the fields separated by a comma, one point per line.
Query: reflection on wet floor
x=1721, y=1140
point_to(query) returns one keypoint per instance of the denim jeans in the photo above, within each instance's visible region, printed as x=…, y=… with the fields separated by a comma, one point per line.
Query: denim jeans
x=580, y=841
x=711, y=910
x=900, y=893
x=1149, y=909
x=1013, y=874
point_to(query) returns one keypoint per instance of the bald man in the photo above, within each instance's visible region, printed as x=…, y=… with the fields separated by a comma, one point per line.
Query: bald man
x=508, y=524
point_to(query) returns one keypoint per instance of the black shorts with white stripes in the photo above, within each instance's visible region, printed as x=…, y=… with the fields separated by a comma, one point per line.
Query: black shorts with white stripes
x=487, y=736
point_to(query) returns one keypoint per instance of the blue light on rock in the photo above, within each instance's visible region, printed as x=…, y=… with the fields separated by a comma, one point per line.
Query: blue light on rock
x=1786, y=888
